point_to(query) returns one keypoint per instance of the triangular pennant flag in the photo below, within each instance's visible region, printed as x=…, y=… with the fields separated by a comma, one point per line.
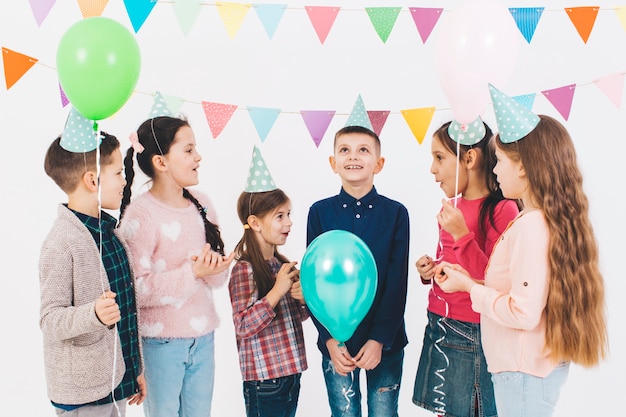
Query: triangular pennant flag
x=263, y=119
x=79, y=134
x=92, y=8
x=217, y=116
x=583, y=19
x=621, y=15
x=322, y=18
x=378, y=119
x=138, y=11
x=186, y=12
x=418, y=121
x=232, y=15
x=317, y=122
x=561, y=98
x=526, y=100
x=270, y=15
x=15, y=65
x=526, y=19
x=159, y=107
x=64, y=100
x=40, y=9
x=425, y=19
x=259, y=178
x=173, y=103
x=358, y=116
x=383, y=19
x=613, y=87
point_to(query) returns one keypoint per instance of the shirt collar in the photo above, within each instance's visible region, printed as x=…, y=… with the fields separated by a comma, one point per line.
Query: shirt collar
x=346, y=200
x=106, y=222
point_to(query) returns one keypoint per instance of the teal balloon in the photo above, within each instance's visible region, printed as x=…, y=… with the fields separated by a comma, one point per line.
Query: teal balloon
x=339, y=278
x=98, y=65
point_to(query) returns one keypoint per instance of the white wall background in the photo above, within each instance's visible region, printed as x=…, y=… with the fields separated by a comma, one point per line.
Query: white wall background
x=294, y=72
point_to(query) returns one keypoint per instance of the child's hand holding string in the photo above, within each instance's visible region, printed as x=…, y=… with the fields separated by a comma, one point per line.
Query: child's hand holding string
x=453, y=278
x=426, y=268
x=343, y=362
x=452, y=221
x=107, y=310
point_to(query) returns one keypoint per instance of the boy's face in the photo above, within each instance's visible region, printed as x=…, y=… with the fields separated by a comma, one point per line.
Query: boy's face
x=356, y=159
x=112, y=182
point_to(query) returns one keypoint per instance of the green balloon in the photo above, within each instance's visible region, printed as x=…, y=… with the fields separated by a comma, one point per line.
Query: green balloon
x=98, y=65
x=339, y=278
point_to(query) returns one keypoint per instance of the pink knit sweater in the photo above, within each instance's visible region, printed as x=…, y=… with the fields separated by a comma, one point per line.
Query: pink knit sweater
x=162, y=240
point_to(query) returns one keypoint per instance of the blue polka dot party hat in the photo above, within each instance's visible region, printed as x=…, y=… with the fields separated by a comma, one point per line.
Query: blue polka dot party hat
x=514, y=120
x=79, y=134
x=259, y=177
x=467, y=133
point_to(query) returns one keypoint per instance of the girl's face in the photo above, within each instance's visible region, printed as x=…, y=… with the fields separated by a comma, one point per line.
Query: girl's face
x=274, y=228
x=444, y=169
x=183, y=159
x=511, y=176
x=112, y=182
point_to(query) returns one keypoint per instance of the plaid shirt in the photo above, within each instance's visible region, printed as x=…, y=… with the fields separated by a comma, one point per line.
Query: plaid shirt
x=270, y=341
x=117, y=267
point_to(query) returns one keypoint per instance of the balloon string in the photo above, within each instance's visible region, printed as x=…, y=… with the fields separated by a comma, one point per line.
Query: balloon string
x=348, y=393
x=438, y=389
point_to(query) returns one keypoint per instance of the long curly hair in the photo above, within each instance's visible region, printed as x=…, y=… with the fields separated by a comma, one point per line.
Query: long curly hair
x=575, y=310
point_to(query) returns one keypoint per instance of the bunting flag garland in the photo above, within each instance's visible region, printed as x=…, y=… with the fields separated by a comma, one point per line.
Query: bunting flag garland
x=419, y=121
x=263, y=119
x=583, y=19
x=173, y=103
x=270, y=15
x=317, y=122
x=232, y=15
x=613, y=87
x=64, y=100
x=40, y=9
x=217, y=116
x=383, y=19
x=15, y=65
x=526, y=19
x=138, y=11
x=322, y=19
x=187, y=12
x=378, y=119
x=526, y=100
x=159, y=106
x=92, y=8
x=621, y=15
x=561, y=98
x=425, y=20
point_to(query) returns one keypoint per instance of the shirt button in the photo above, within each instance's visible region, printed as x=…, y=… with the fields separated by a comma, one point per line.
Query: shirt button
x=525, y=284
x=345, y=205
x=370, y=206
x=358, y=216
x=358, y=203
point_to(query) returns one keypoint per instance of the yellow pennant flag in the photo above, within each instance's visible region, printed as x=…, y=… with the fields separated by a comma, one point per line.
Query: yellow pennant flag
x=621, y=15
x=232, y=15
x=91, y=8
x=418, y=121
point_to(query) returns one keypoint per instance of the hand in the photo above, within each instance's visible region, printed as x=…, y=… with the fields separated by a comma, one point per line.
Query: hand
x=296, y=291
x=284, y=281
x=143, y=391
x=453, y=278
x=452, y=221
x=210, y=262
x=425, y=267
x=342, y=361
x=369, y=356
x=107, y=310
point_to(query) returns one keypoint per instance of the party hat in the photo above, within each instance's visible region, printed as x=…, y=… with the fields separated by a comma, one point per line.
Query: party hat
x=467, y=134
x=514, y=120
x=359, y=116
x=79, y=135
x=159, y=106
x=259, y=178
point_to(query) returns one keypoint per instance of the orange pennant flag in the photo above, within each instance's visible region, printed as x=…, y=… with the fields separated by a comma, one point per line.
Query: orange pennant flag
x=15, y=65
x=92, y=8
x=418, y=121
x=583, y=19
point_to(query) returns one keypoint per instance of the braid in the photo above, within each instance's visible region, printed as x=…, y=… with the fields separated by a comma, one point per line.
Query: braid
x=129, y=172
x=211, y=231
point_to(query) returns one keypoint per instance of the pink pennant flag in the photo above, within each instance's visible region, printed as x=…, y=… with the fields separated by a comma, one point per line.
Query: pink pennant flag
x=40, y=9
x=217, y=115
x=64, y=100
x=613, y=87
x=378, y=119
x=425, y=20
x=322, y=18
x=317, y=122
x=561, y=98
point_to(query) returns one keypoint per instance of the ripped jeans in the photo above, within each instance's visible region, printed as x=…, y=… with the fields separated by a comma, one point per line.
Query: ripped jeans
x=383, y=388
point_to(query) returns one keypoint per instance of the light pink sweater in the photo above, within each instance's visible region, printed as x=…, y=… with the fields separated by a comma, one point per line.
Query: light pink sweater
x=162, y=240
x=512, y=301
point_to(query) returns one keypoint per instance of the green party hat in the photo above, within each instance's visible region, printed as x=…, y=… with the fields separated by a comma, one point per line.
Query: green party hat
x=467, y=134
x=259, y=177
x=79, y=134
x=359, y=116
x=159, y=106
x=514, y=120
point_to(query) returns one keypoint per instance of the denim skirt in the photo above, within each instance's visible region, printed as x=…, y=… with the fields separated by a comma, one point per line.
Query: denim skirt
x=452, y=377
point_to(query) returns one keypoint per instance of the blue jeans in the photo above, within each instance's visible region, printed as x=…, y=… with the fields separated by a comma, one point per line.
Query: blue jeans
x=383, y=388
x=272, y=397
x=452, y=376
x=523, y=395
x=104, y=410
x=179, y=376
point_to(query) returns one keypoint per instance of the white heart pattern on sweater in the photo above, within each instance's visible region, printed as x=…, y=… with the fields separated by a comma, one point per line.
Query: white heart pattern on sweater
x=171, y=230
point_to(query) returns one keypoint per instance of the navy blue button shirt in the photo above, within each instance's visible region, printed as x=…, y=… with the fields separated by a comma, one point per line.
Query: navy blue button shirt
x=383, y=224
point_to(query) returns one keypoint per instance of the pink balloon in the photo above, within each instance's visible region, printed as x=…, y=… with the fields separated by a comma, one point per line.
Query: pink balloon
x=477, y=44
